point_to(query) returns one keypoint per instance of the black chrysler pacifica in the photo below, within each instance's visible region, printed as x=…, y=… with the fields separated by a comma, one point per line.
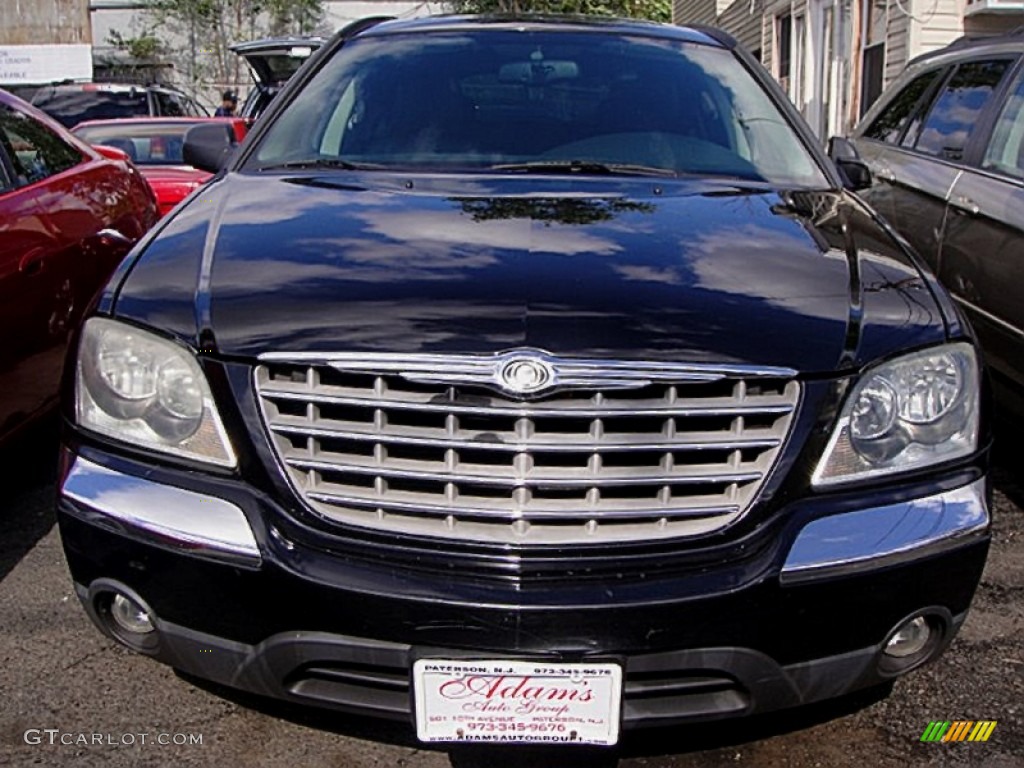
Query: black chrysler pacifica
x=527, y=380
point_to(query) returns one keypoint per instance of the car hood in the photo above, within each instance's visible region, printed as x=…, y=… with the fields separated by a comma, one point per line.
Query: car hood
x=593, y=266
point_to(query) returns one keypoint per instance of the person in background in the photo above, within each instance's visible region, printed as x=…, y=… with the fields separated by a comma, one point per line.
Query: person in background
x=229, y=101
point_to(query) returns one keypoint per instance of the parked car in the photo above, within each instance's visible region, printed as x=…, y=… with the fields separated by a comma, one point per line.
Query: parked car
x=155, y=145
x=527, y=380
x=68, y=214
x=272, y=61
x=945, y=144
x=74, y=103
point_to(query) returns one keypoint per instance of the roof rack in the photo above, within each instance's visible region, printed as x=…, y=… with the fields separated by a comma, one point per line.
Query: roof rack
x=965, y=41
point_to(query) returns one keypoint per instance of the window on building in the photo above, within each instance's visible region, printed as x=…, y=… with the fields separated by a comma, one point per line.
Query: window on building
x=948, y=126
x=1005, y=151
x=889, y=125
x=876, y=26
x=872, y=75
x=34, y=150
x=877, y=22
x=783, y=49
x=799, y=61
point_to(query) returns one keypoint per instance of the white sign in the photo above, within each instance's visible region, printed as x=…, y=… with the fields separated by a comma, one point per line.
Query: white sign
x=517, y=701
x=41, y=64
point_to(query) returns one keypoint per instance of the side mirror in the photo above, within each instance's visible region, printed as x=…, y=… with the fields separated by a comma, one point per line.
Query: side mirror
x=208, y=145
x=854, y=171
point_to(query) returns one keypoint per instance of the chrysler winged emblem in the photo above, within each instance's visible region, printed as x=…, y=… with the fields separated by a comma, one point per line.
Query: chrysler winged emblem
x=526, y=372
x=525, y=375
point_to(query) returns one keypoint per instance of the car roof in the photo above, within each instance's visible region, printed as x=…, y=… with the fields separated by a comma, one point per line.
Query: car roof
x=1010, y=42
x=609, y=24
x=108, y=87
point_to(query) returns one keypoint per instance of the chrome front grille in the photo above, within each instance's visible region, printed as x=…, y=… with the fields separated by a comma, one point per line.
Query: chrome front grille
x=364, y=445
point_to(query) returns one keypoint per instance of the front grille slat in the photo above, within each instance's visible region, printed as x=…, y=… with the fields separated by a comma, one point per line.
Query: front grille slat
x=494, y=442
x=372, y=448
x=511, y=512
x=505, y=476
x=517, y=409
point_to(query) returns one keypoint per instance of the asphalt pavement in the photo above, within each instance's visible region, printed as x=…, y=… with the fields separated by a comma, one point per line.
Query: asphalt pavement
x=69, y=696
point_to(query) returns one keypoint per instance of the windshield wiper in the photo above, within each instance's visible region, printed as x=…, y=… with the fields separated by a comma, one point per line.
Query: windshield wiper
x=587, y=167
x=322, y=162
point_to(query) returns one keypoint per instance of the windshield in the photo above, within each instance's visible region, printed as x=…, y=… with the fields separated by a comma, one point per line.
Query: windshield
x=73, y=106
x=145, y=143
x=516, y=100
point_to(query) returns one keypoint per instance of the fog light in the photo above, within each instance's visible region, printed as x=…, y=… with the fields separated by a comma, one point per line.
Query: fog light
x=130, y=616
x=911, y=638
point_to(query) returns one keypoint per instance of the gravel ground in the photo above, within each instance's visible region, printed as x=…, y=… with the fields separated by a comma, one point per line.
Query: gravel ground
x=58, y=672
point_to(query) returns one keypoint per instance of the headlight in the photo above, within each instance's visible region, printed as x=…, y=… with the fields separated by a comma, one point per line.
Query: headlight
x=909, y=413
x=142, y=389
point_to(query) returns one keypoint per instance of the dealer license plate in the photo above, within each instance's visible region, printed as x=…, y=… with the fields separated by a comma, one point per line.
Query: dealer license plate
x=517, y=701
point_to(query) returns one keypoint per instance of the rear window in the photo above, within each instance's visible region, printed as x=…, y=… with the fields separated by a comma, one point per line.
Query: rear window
x=146, y=144
x=73, y=106
x=487, y=98
x=279, y=67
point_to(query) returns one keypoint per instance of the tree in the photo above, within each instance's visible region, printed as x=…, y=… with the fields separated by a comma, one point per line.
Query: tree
x=655, y=10
x=196, y=35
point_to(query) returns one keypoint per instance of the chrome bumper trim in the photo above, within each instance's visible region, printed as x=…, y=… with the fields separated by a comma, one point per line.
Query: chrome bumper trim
x=865, y=537
x=162, y=515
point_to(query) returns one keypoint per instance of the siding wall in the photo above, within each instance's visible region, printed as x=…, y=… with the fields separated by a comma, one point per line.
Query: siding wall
x=693, y=11
x=897, y=40
x=743, y=22
x=935, y=30
x=935, y=23
x=740, y=18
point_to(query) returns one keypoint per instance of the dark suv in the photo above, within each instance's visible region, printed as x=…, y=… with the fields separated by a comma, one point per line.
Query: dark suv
x=74, y=103
x=525, y=380
x=945, y=144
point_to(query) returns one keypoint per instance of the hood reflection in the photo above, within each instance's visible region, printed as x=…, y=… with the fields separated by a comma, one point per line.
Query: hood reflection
x=581, y=267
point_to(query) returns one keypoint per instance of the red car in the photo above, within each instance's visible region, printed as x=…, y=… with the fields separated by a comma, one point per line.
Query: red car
x=154, y=145
x=68, y=214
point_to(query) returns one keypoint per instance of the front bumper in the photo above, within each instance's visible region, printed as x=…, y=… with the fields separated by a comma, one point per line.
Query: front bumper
x=236, y=602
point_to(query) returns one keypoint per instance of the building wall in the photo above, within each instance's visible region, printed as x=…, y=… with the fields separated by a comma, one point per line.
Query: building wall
x=937, y=25
x=742, y=19
x=694, y=11
x=912, y=27
x=897, y=41
x=25, y=22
